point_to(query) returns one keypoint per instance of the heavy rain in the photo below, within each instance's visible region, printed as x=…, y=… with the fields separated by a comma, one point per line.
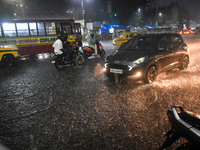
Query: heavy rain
x=43, y=108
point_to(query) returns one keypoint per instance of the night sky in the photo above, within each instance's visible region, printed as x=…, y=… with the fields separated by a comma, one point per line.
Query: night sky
x=123, y=8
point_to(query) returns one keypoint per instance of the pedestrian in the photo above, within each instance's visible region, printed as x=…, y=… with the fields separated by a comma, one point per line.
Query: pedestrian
x=91, y=43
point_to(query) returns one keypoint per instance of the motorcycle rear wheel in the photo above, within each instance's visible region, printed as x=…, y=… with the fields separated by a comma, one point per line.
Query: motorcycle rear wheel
x=80, y=59
x=59, y=63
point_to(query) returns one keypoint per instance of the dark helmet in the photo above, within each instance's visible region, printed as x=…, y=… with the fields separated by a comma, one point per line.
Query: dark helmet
x=92, y=35
x=59, y=36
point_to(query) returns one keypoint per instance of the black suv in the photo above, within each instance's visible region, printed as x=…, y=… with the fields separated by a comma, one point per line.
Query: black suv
x=145, y=56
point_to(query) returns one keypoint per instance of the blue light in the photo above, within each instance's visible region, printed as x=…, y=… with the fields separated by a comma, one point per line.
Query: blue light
x=116, y=26
x=150, y=26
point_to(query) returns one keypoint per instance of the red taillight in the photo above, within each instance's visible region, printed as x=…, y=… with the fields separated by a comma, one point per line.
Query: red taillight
x=170, y=120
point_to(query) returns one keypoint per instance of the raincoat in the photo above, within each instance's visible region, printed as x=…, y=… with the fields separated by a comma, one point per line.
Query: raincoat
x=91, y=42
x=58, y=45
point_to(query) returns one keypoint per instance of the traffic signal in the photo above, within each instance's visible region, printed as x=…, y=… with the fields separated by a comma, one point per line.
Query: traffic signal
x=20, y=5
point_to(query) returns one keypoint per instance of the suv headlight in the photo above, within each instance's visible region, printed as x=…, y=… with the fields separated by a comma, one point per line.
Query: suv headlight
x=136, y=62
x=106, y=65
x=140, y=60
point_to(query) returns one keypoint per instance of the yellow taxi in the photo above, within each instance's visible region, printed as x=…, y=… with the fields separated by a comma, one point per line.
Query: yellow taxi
x=124, y=38
x=8, y=55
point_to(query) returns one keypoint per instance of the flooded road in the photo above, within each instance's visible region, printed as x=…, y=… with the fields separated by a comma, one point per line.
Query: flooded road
x=43, y=108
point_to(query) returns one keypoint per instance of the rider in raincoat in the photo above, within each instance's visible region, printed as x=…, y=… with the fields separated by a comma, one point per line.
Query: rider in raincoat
x=91, y=43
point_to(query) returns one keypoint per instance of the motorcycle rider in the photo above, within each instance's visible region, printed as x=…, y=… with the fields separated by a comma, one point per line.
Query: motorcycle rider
x=59, y=48
x=58, y=45
x=66, y=45
x=91, y=43
x=67, y=51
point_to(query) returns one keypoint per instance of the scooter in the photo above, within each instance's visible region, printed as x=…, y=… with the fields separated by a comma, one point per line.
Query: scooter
x=89, y=51
x=184, y=124
x=77, y=58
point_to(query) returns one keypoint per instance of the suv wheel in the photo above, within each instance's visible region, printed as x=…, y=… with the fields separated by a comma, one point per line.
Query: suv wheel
x=151, y=75
x=185, y=63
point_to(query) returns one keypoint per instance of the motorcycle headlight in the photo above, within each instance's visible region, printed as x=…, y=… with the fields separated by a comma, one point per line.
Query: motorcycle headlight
x=140, y=60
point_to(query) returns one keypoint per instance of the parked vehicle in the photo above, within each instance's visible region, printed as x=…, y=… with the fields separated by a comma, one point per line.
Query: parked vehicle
x=9, y=54
x=145, y=56
x=89, y=51
x=124, y=38
x=187, y=32
x=183, y=124
x=77, y=58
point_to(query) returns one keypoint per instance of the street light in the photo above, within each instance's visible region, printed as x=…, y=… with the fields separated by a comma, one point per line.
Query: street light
x=83, y=12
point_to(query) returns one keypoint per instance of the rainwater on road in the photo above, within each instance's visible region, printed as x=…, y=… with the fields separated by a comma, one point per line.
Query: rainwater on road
x=43, y=108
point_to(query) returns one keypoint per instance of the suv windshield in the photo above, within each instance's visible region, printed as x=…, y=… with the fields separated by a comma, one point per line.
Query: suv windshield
x=141, y=43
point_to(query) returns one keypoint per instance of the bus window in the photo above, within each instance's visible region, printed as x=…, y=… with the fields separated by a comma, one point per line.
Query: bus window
x=67, y=28
x=22, y=29
x=33, y=28
x=9, y=29
x=77, y=29
x=58, y=28
x=41, y=30
x=50, y=28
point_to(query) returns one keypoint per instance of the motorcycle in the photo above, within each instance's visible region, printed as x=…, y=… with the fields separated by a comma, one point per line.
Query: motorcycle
x=184, y=124
x=89, y=51
x=77, y=58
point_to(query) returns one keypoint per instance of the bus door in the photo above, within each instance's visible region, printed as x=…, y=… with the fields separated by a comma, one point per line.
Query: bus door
x=77, y=28
x=77, y=32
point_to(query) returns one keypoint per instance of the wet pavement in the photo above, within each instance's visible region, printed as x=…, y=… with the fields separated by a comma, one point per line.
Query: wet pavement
x=44, y=108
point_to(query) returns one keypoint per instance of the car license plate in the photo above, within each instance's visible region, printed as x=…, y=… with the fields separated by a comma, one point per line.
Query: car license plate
x=53, y=61
x=118, y=71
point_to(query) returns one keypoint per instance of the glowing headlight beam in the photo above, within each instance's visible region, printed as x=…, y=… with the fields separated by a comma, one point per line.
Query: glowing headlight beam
x=140, y=60
x=105, y=65
x=130, y=68
x=138, y=74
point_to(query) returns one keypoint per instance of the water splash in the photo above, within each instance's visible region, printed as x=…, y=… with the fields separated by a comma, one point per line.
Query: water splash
x=98, y=72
